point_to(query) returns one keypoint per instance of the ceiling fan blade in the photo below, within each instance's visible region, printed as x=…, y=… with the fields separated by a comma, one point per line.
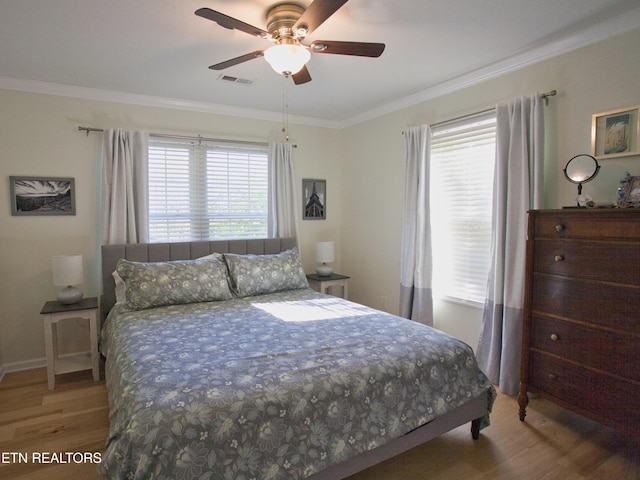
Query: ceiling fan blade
x=317, y=13
x=231, y=23
x=235, y=61
x=303, y=76
x=359, y=49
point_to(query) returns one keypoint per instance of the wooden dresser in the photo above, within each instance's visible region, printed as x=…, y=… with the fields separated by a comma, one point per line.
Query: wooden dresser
x=581, y=337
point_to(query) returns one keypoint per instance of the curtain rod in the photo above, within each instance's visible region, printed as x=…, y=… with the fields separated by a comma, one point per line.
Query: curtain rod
x=471, y=115
x=544, y=96
x=186, y=137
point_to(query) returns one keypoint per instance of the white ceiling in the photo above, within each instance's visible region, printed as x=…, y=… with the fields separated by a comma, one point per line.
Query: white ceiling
x=158, y=51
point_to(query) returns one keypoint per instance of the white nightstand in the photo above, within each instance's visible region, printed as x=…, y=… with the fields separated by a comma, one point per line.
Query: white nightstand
x=54, y=312
x=323, y=284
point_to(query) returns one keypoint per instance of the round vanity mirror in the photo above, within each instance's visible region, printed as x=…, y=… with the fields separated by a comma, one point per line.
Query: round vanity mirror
x=581, y=169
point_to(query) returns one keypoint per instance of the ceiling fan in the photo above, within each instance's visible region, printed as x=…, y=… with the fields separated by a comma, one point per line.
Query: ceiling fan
x=287, y=26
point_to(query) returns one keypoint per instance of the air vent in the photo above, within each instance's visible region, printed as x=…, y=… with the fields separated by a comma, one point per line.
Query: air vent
x=239, y=81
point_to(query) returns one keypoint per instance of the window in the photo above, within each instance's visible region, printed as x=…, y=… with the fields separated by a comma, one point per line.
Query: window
x=204, y=192
x=462, y=164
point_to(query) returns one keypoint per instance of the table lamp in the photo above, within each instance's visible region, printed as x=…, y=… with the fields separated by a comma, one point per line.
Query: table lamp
x=324, y=255
x=67, y=271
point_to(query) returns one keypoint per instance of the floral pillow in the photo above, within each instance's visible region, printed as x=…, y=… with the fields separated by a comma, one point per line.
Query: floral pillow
x=156, y=284
x=260, y=274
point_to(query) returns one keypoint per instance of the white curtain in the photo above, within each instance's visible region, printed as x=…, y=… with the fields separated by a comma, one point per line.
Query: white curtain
x=416, y=297
x=125, y=205
x=517, y=189
x=282, y=201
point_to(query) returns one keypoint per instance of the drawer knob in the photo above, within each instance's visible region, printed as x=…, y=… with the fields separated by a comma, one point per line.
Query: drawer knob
x=558, y=258
x=559, y=227
x=554, y=337
x=552, y=376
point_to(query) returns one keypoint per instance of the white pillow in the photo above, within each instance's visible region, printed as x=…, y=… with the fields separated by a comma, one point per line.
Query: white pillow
x=211, y=255
x=121, y=288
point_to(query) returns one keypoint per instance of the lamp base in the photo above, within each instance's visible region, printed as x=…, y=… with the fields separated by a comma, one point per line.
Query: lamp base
x=324, y=270
x=69, y=295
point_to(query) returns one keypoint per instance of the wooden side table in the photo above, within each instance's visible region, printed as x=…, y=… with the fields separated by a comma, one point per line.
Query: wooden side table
x=323, y=284
x=52, y=313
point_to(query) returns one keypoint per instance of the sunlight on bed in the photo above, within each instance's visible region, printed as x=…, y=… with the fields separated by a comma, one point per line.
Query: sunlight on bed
x=311, y=310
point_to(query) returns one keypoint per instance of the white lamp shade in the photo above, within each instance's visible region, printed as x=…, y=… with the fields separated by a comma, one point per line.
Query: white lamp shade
x=324, y=252
x=67, y=270
x=287, y=59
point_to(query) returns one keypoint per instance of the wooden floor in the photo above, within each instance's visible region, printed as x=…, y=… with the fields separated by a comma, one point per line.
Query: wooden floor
x=552, y=444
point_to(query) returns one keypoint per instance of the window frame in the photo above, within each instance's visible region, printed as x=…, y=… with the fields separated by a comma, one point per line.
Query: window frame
x=196, y=185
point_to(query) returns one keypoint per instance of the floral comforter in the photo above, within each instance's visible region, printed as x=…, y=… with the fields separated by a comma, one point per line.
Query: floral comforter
x=278, y=386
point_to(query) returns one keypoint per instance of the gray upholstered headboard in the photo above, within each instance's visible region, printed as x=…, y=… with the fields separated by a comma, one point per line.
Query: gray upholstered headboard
x=162, y=252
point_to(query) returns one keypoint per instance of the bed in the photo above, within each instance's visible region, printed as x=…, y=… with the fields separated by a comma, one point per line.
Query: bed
x=221, y=363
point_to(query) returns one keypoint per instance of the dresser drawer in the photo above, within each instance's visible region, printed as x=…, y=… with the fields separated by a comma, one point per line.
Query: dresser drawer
x=596, y=348
x=607, y=399
x=610, y=262
x=613, y=306
x=592, y=225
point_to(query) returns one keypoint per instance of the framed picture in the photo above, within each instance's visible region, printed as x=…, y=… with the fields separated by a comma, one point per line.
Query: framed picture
x=42, y=196
x=632, y=194
x=314, y=198
x=615, y=133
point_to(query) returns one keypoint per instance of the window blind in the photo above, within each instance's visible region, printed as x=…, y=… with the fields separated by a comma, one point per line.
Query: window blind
x=462, y=164
x=202, y=192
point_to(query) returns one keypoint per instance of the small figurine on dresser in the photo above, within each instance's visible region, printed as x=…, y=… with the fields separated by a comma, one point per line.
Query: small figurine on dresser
x=629, y=192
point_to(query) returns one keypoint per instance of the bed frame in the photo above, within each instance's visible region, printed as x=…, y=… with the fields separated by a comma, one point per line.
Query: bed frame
x=472, y=411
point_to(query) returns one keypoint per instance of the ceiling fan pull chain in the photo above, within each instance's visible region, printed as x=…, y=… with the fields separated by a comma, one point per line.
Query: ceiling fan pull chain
x=285, y=108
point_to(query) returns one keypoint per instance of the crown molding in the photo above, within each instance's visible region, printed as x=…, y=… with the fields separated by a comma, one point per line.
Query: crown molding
x=602, y=31
x=96, y=94
x=608, y=28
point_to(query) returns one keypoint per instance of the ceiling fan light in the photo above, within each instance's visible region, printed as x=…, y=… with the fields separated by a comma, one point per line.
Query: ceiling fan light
x=287, y=59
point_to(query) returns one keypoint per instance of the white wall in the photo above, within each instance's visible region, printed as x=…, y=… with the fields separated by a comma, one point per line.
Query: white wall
x=593, y=79
x=362, y=165
x=39, y=137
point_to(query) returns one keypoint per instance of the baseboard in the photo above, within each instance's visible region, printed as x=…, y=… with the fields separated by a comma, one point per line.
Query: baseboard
x=31, y=364
x=20, y=366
